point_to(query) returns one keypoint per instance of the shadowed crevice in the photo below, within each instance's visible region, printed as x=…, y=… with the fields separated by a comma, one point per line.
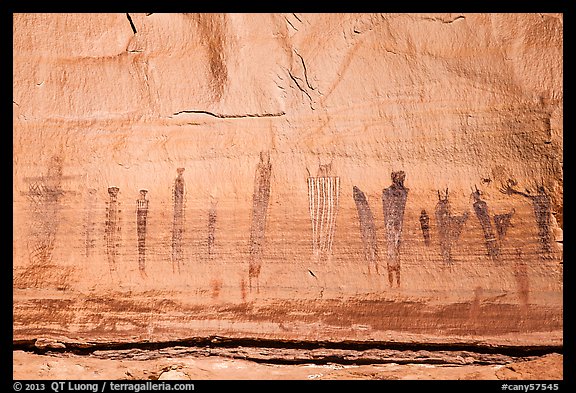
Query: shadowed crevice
x=131, y=23
x=304, y=352
x=233, y=116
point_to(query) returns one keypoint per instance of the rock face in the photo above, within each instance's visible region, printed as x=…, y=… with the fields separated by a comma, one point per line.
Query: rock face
x=363, y=177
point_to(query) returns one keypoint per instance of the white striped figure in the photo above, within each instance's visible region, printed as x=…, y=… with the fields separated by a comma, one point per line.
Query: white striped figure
x=323, y=198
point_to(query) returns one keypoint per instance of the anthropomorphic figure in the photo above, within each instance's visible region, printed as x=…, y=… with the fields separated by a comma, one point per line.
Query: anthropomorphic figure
x=393, y=204
x=260, y=200
x=367, y=229
x=141, y=215
x=481, y=210
x=542, y=206
x=425, y=226
x=449, y=227
x=178, y=222
x=112, y=228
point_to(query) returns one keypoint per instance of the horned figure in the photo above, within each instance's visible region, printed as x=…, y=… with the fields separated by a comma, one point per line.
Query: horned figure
x=393, y=204
x=449, y=226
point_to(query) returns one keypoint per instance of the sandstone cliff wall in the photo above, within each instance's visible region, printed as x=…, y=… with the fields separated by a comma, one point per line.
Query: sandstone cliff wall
x=268, y=145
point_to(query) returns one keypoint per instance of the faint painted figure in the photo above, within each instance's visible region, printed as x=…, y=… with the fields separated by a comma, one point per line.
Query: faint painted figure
x=522, y=279
x=212, y=215
x=323, y=199
x=367, y=229
x=178, y=221
x=449, y=227
x=481, y=210
x=502, y=223
x=90, y=202
x=44, y=194
x=112, y=228
x=141, y=214
x=542, y=206
x=425, y=226
x=260, y=200
x=393, y=204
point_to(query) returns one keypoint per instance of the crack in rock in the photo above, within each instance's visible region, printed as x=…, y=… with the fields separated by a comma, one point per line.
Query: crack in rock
x=131, y=23
x=290, y=24
x=305, y=71
x=233, y=116
x=317, y=356
x=445, y=21
x=300, y=88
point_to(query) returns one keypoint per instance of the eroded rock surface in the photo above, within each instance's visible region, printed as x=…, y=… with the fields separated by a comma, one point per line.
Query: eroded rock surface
x=190, y=175
x=172, y=366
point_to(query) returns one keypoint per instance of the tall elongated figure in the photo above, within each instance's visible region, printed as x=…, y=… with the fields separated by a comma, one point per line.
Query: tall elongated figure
x=481, y=210
x=260, y=200
x=323, y=197
x=178, y=221
x=141, y=215
x=112, y=228
x=367, y=228
x=393, y=204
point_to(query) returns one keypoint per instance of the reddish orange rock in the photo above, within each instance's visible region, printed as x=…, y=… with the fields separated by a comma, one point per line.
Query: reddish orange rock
x=224, y=118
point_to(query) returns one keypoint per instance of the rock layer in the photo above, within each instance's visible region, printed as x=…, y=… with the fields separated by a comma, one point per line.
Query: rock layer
x=223, y=119
x=200, y=366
